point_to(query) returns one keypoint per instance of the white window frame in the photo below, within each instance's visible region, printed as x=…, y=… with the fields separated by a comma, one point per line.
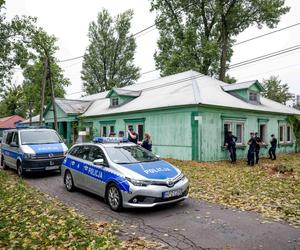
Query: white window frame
x=242, y=132
x=108, y=130
x=232, y=128
x=283, y=133
x=263, y=138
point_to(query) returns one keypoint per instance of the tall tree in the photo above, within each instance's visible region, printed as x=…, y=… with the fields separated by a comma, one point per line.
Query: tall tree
x=276, y=91
x=199, y=34
x=43, y=47
x=14, y=40
x=108, y=60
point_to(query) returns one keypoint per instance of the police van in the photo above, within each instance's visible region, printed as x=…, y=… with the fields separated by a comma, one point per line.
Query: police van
x=32, y=149
x=125, y=174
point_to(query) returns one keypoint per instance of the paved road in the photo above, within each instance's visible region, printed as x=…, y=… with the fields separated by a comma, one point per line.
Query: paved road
x=188, y=225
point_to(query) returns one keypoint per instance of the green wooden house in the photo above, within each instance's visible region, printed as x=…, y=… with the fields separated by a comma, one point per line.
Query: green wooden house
x=187, y=115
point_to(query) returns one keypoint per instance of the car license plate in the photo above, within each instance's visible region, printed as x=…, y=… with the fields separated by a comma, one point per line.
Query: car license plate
x=172, y=193
x=52, y=168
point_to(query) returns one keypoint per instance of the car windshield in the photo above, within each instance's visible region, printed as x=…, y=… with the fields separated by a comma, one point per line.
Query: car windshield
x=39, y=137
x=129, y=154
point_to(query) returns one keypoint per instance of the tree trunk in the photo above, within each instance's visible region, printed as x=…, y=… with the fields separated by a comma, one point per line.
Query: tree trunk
x=223, y=59
x=43, y=90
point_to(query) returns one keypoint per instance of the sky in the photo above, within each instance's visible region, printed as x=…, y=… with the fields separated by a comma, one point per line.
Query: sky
x=69, y=21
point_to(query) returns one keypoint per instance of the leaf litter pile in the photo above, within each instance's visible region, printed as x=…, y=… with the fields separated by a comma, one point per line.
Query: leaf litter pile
x=271, y=188
x=30, y=219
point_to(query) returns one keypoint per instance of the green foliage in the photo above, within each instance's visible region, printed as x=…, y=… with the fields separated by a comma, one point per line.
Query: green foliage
x=13, y=101
x=199, y=35
x=276, y=91
x=30, y=220
x=295, y=122
x=108, y=60
x=14, y=39
x=262, y=189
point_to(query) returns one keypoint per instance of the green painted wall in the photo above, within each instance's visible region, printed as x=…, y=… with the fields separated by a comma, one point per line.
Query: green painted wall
x=213, y=136
x=195, y=132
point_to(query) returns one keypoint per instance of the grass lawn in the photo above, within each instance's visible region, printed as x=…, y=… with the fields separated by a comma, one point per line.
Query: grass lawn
x=271, y=188
x=31, y=220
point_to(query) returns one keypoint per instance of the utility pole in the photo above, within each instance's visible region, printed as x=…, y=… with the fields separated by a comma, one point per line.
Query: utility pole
x=43, y=90
x=30, y=113
x=52, y=95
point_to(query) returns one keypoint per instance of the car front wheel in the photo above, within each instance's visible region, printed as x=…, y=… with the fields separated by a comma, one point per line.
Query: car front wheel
x=114, y=197
x=69, y=183
x=20, y=170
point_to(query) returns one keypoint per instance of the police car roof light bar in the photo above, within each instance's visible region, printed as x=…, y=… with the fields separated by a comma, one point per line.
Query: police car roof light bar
x=100, y=139
x=21, y=126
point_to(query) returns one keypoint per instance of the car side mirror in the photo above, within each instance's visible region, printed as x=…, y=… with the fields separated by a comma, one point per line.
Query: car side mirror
x=13, y=144
x=98, y=162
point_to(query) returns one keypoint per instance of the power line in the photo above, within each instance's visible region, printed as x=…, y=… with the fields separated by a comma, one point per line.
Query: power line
x=266, y=34
x=243, y=63
x=137, y=33
x=263, y=57
x=238, y=43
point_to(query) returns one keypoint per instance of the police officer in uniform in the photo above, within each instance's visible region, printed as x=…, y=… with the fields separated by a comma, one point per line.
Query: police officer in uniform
x=251, y=150
x=272, y=150
x=258, y=144
x=230, y=141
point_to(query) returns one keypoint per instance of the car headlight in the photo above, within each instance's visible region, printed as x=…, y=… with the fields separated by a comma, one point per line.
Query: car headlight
x=28, y=156
x=140, y=183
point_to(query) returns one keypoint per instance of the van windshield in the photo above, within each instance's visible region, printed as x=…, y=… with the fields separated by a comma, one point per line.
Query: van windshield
x=39, y=137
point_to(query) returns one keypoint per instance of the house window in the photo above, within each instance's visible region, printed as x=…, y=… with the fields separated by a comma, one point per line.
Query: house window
x=239, y=133
x=112, y=129
x=237, y=129
x=114, y=101
x=104, y=131
x=263, y=132
x=288, y=134
x=227, y=128
x=253, y=97
x=281, y=133
x=140, y=129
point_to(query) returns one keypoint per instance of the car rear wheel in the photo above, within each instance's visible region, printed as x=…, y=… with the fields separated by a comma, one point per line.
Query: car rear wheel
x=20, y=170
x=69, y=183
x=114, y=197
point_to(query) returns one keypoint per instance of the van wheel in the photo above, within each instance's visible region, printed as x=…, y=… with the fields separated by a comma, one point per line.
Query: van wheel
x=69, y=183
x=114, y=197
x=20, y=170
x=5, y=167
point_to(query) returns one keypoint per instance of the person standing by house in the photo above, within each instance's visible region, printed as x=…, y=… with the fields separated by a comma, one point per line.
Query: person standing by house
x=147, y=143
x=132, y=135
x=251, y=150
x=230, y=144
x=272, y=150
x=121, y=133
x=257, y=149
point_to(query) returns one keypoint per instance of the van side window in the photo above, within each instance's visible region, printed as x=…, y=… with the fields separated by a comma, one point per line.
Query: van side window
x=16, y=138
x=9, y=137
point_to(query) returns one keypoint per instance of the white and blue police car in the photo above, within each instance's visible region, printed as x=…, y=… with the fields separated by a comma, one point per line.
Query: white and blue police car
x=32, y=150
x=125, y=174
